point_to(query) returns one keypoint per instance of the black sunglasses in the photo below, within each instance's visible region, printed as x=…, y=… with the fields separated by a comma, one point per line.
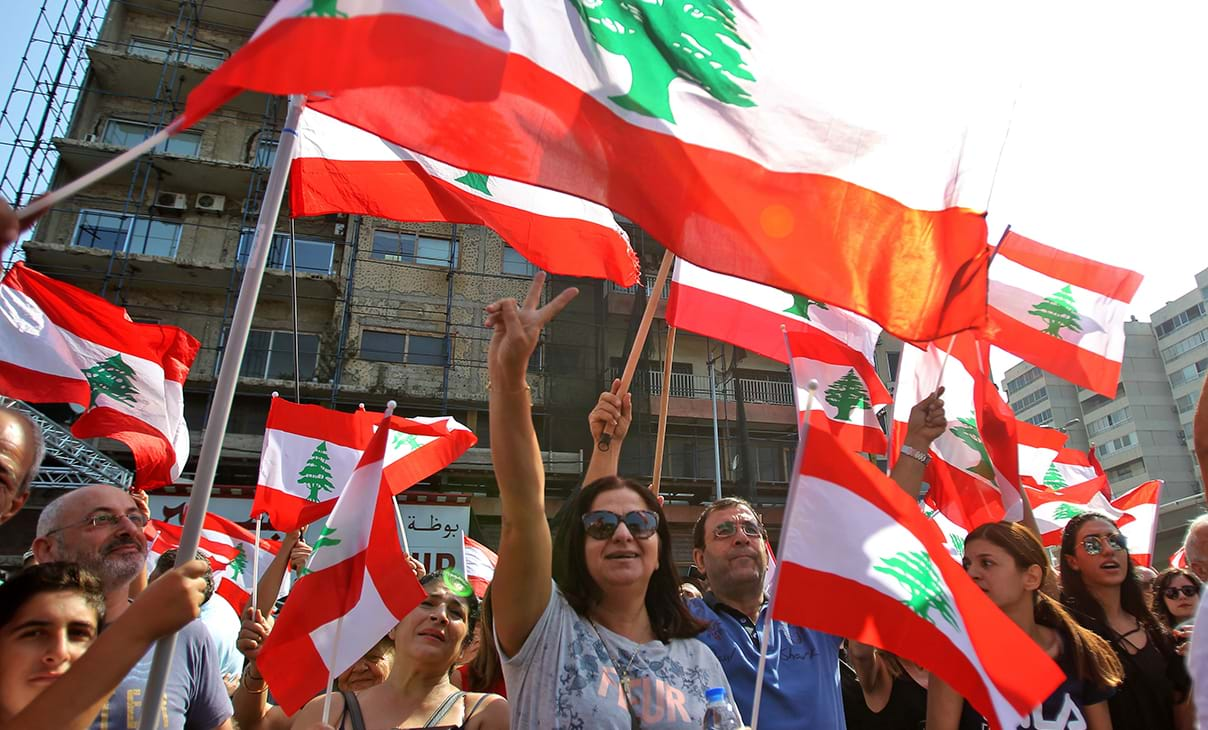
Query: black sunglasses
x=601, y=524
x=1173, y=592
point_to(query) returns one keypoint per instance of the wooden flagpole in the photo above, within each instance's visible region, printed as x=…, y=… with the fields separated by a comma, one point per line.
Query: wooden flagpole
x=639, y=340
x=664, y=397
x=224, y=392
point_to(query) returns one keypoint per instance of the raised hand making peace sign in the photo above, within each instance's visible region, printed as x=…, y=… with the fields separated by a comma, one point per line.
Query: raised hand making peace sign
x=517, y=330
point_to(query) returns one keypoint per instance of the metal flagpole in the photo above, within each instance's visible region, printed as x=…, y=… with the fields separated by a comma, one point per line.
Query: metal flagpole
x=224, y=394
x=293, y=283
x=716, y=444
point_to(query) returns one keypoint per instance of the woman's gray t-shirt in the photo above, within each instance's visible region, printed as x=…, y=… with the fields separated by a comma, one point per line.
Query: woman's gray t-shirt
x=562, y=677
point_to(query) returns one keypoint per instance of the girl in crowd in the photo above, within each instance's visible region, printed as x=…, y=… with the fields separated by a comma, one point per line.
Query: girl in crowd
x=894, y=689
x=50, y=615
x=484, y=673
x=1098, y=587
x=601, y=640
x=1006, y=561
x=417, y=694
x=1176, y=596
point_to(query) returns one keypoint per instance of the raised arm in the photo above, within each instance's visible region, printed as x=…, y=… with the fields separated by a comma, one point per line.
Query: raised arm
x=926, y=423
x=521, y=587
x=611, y=409
x=274, y=575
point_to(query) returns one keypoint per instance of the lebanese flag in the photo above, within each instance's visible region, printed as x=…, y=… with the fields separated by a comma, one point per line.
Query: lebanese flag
x=339, y=168
x=1038, y=448
x=1062, y=312
x=1053, y=509
x=310, y=452
x=1178, y=559
x=730, y=156
x=974, y=471
x=165, y=536
x=750, y=315
x=359, y=587
x=849, y=392
x=852, y=535
x=61, y=344
x=1141, y=505
x=235, y=581
x=1071, y=467
x=952, y=534
x=480, y=565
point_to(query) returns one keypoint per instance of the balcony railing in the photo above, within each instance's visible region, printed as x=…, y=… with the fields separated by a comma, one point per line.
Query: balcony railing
x=647, y=283
x=686, y=385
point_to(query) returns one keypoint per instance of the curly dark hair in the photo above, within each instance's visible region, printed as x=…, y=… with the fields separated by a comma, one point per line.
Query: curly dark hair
x=669, y=616
x=1161, y=583
x=51, y=578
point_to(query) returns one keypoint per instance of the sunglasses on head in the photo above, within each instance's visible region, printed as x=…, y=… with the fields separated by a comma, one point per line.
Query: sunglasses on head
x=1173, y=592
x=729, y=528
x=601, y=524
x=1093, y=544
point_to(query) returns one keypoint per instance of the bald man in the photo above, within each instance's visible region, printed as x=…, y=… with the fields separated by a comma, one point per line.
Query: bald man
x=21, y=452
x=101, y=528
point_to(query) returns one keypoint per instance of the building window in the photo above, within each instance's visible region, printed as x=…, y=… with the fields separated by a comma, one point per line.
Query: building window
x=412, y=248
x=402, y=348
x=1180, y=320
x=770, y=463
x=160, y=51
x=129, y=234
x=1186, y=345
x=1185, y=403
x=891, y=360
x=1030, y=400
x=1041, y=419
x=314, y=255
x=1123, y=471
x=1111, y=420
x=266, y=153
x=1126, y=441
x=125, y=133
x=270, y=354
x=1189, y=373
x=515, y=264
x=1028, y=377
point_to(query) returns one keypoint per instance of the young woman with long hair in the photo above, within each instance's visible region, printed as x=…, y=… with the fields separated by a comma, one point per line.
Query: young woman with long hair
x=1100, y=590
x=1008, y=562
x=593, y=632
x=1176, y=596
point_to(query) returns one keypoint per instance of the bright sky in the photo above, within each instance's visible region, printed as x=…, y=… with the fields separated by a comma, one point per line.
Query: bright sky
x=1108, y=150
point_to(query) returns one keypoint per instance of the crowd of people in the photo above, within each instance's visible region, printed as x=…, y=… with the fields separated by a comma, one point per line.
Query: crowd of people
x=589, y=625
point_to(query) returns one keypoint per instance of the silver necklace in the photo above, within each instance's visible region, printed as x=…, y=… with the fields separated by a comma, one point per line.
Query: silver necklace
x=622, y=674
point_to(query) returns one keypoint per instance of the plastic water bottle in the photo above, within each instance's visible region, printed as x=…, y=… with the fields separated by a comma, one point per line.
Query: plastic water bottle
x=720, y=713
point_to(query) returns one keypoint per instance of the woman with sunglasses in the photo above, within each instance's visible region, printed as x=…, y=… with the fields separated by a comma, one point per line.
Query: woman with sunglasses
x=1176, y=596
x=1100, y=590
x=592, y=632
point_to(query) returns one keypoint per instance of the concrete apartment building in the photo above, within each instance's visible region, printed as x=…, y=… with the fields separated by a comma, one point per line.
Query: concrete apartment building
x=1145, y=431
x=385, y=310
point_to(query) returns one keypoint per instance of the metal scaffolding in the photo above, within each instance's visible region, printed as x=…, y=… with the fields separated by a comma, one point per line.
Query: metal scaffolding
x=81, y=464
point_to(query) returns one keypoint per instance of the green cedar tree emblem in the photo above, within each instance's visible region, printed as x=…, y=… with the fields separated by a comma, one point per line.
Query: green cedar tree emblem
x=967, y=432
x=801, y=306
x=316, y=475
x=324, y=9
x=475, y=180
x=957, y=542
x=847, y=394
x=917, y=572
x=406, y=442
x=696, y=40
x=326, y=539
x=1053, y=479
x=1058, y=312
x=1067, y=511
x=930, y=513
x=112, y=377
x=238, y=563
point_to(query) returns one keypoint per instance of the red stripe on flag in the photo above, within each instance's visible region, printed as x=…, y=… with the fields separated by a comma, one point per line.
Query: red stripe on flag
x=154, y=456
x=345, y=429
x=713, y=315
x=405, y=191
x=38, y=387
x=1110, y=281
x=814, y=344
x=853, y=437
x=288, y=512
x=1083, y=367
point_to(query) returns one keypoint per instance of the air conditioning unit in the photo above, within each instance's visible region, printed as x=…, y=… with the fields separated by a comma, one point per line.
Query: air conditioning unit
x=211, y=202
x=340, y=228
x=90, y=138
x=171, y=201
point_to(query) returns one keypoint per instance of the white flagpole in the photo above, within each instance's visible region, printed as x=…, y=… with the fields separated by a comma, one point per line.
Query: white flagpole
x=331, y=671
x=224, y=394
x=768, y=623
x=398, y=515
x=256, y=566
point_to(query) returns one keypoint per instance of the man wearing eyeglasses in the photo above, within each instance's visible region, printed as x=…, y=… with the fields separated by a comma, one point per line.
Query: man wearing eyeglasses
x=100, y=527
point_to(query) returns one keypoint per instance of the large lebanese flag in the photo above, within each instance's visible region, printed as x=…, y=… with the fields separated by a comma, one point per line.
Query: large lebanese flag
x=61, y=344
x=359, y=587
x=974, y=472
x=1062, y=312
x=853, y=535
x=731, y=156
x=849, y=393
x=1141, y=505
x=750, y=315
x=339, y=168
x=309, y=453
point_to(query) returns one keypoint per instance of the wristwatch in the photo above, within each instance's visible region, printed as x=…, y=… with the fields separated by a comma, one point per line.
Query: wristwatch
x=920, y=456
